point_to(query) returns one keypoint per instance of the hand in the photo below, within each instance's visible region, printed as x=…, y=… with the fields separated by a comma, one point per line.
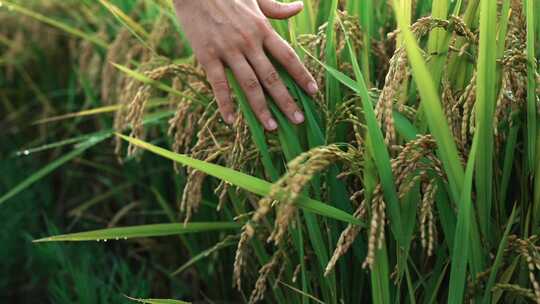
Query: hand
x=237, y=34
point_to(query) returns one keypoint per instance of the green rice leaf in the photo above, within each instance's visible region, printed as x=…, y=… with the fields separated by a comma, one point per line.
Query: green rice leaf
x=92, y=141
x=242, y=180
x=497, y=263
x=485, y=106
x=460, y=251
x=141, y=231
x=378, y=150
x=204, y=254
x=434, y=114
x=531, y=86
x=158, y=301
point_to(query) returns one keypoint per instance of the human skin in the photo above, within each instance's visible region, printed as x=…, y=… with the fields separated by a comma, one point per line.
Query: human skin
x=237, y=34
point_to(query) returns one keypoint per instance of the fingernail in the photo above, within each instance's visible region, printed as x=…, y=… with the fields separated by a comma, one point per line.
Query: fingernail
x=229, y=118
x=271, y=124
x=313, y=88
x=298, y=117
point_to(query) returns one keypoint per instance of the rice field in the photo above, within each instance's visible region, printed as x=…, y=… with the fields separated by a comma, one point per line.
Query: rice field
x=414, y=178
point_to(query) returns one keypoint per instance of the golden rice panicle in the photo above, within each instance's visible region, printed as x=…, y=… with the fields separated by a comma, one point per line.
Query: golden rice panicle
x=262, y=281
x=208, y=149
x=192, y=194
x=90, y=61
x=240, y=156
x=427, y=217
x=409, y=159
x=348, y=236
x=397, y=73
x=138, y=96
x=241, y=254
x=124, y=49
x=376, y=229
x=187, y=118
x=531, y=256
x=285, y=215
x=467, y=101
x=135, y=115
x=134, y=97
x=450, y=107
x=516, y=290
x=288, y=188
x=111, y=78
x=353, y=29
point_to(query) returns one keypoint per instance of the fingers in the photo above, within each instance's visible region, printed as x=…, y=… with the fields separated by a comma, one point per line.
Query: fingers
x=253, y=90
x=270, y=79
x=285, y=54
x=276, y=10
x=218, y=80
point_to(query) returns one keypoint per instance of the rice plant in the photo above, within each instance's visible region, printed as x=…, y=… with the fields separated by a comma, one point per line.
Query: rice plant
x=412, y=180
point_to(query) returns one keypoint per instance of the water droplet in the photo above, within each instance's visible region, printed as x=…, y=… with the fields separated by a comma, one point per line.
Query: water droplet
x=105, y=240
x=22, y=153
x=125, y=238
x=117, y=238
x=98, y=240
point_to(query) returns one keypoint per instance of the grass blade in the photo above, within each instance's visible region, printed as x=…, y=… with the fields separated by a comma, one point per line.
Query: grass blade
x=432, y=106
x=460, y=251
x=141, y=231
x=244, y=181
x=52, y=166
x=485, y=106
x=498, y=258
x=378, y=150
x=531, y=85
x=96, y=111
x=157, y=301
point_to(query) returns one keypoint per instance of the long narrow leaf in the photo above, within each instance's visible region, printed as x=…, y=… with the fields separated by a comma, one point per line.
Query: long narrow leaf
x=432, y=106
x=242, y=180
x=52, y=166
x=141, y=231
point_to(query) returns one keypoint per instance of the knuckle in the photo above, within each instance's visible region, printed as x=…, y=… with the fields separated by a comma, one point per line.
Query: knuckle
x=289, y=55
x=262, y=25
x=227, y=48
x=252, y=85
x=221, y=85
x=244, y=38
x=271, y=79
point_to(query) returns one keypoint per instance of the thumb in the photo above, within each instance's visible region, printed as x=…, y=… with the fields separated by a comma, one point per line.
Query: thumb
x=277, y=10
